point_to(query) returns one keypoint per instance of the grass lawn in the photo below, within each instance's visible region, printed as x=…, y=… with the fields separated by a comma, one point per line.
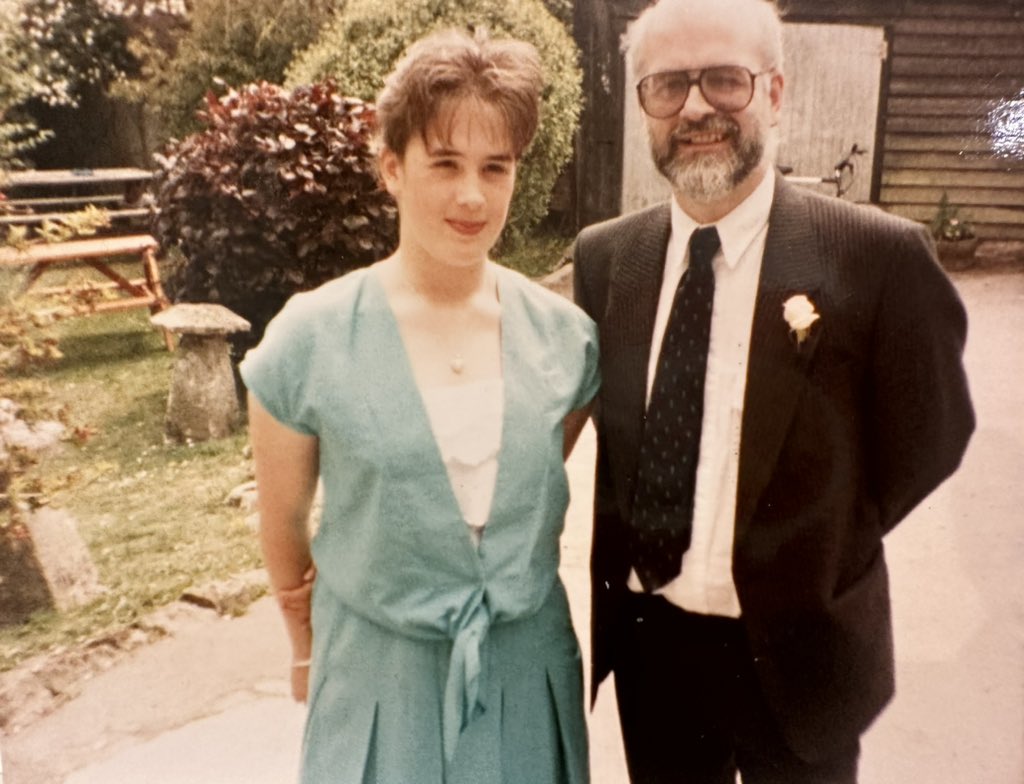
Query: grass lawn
x=152, y=513
x=539, y=256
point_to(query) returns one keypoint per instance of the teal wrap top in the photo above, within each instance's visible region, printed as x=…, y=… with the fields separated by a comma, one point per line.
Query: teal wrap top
x=392, y=545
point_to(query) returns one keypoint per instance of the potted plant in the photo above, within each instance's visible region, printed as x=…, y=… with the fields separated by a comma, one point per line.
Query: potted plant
x=954, y=236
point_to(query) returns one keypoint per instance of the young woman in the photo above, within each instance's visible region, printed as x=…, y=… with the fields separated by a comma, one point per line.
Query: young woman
x=435, y=394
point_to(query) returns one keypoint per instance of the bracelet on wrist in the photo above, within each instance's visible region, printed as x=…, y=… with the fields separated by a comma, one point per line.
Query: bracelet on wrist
x=298, y=665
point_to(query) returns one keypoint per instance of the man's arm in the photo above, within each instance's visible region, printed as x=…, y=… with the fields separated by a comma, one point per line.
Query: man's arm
x=920, y=414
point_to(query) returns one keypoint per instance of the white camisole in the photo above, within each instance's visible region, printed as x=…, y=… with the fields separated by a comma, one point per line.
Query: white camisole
x=466, y=420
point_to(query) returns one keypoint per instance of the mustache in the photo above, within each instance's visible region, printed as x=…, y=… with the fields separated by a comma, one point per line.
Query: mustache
x=714, y=123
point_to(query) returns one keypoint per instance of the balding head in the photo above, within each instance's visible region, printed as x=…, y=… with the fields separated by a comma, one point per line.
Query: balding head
x=760, y=17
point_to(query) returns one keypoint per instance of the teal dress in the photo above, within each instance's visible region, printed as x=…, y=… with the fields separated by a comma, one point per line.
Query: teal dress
x=434, y=661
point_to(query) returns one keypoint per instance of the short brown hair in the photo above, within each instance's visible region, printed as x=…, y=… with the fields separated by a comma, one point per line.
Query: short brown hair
x=451, y=64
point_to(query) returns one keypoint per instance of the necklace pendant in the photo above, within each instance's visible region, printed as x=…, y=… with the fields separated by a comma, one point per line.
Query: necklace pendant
x=456, y=364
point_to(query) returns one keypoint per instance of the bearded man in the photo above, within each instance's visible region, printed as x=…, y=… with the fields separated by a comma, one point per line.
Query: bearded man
x=782, y=384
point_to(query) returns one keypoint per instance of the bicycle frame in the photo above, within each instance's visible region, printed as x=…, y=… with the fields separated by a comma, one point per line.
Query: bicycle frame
x=842, y=173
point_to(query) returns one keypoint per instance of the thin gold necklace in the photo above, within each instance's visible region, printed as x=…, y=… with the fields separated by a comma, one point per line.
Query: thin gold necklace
x=456, y=363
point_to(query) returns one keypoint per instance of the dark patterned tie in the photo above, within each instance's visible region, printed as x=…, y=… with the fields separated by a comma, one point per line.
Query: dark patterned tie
x=670, y=446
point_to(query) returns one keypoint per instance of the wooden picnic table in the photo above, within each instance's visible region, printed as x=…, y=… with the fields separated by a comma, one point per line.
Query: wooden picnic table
x=146, y=291
x=117, y=190
x=65, y=177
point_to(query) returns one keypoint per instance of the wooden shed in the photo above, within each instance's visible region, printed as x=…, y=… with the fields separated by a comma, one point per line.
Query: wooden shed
x=949, y=115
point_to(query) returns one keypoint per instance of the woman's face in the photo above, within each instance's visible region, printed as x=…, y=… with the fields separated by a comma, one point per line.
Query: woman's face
x=453, y=188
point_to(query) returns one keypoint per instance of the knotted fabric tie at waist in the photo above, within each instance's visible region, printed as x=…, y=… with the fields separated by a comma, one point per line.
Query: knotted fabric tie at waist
x=462, y=692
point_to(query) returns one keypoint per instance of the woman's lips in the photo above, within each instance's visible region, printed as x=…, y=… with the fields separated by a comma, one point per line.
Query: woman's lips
x=467, y=228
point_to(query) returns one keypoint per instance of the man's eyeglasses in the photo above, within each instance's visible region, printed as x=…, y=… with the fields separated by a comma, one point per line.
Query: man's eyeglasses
x=727, y=88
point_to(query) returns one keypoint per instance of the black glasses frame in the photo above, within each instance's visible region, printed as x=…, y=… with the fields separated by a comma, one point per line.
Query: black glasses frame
x=696, y=76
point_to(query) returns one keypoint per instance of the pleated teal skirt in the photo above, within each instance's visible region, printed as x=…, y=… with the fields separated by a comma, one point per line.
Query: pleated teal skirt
x=376, y=698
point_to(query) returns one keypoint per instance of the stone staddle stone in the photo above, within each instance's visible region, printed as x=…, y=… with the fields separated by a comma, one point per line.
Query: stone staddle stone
x=202, y=403
x=200, y=319
x=64, y=558
x=44, y=564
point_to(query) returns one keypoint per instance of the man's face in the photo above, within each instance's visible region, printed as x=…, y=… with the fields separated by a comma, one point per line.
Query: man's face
x=706, y=153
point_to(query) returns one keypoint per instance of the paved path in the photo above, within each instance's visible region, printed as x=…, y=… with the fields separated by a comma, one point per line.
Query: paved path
x=209, y=704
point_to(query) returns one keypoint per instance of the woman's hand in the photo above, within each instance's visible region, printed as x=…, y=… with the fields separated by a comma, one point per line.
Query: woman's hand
x=295, y=604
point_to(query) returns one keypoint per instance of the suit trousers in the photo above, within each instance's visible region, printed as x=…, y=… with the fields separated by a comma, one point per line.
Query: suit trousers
x=692, y=710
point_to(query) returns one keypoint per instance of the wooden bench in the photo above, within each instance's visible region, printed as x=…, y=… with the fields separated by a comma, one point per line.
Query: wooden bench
x=26, y=218
x=146, y=291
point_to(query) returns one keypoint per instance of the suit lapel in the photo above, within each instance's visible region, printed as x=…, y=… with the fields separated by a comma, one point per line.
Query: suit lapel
x=777, y=367
x=634, y=288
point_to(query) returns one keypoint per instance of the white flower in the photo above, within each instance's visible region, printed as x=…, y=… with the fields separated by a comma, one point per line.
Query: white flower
x=799, y=313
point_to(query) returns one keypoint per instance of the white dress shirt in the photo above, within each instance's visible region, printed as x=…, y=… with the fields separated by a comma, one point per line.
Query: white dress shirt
x=705, y=584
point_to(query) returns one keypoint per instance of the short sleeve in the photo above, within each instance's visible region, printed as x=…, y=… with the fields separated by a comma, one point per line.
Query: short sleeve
x=590, y=376
x=276, y=371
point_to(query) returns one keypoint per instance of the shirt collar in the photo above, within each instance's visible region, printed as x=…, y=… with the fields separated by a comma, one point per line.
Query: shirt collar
x=738, y=229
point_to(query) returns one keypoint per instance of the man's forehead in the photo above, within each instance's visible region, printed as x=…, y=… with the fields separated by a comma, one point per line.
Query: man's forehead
x=727, y=10
x=684, y=37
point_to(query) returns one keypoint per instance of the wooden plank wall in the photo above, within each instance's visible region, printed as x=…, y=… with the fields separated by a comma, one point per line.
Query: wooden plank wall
x=952, y=112
x=598, y=26
x=954, y=118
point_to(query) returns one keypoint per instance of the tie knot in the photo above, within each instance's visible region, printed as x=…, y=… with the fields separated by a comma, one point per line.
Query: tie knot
x=704, y=243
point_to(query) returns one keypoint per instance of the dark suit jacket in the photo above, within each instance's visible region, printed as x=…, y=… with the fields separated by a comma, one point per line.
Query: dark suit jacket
x=841, y=438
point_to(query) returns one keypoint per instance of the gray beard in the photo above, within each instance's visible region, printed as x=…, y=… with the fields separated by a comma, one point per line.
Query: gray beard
x=708, y=178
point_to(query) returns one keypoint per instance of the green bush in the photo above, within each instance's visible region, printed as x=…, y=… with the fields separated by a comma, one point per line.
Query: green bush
x=18, y=132
x=947, y=223
x=228, y=43
x=75, y=44
x=562, y=11
x=277, y=195
x=360, y=46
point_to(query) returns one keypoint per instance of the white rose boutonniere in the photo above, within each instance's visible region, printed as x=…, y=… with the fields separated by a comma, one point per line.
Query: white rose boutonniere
x=799, y=313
